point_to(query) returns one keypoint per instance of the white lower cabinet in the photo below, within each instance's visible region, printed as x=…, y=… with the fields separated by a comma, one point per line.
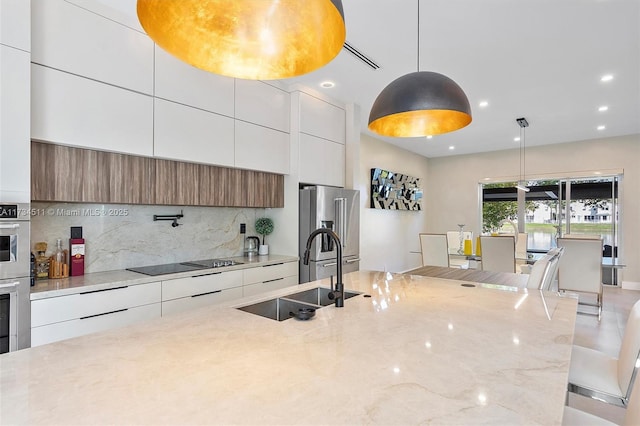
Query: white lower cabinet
x=270, y=277
x=183, y=294
x=63, y=317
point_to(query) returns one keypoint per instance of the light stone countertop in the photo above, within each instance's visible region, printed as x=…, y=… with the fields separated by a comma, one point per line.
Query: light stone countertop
x=419, y=350
x=44, y=289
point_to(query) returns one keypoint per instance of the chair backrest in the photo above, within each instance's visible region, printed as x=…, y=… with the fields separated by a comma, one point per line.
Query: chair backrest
x=583, y=236
x=629, y=350
x=498, y=253
x=434, y=249
x=453, y=239
x=539, y=272
x=521, y=245
x=580, y=268
x=550, y=279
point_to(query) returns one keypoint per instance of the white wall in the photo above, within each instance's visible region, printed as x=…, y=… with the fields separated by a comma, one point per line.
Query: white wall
x=452, y=197
x=387, y=237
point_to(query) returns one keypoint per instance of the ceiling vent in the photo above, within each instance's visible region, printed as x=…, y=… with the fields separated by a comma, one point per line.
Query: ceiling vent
x=361, y=56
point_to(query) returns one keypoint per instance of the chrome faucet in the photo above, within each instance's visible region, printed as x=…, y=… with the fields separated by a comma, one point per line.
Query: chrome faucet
x=338, y=293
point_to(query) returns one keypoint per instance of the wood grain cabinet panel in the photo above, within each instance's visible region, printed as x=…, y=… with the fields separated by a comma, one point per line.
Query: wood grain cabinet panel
x=67, y=174
x=60, y=173
x=131, y=178
x=176, y=183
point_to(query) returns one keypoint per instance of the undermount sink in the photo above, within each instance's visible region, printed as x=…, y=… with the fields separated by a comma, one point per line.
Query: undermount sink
x=318, y=296
x=279, y=309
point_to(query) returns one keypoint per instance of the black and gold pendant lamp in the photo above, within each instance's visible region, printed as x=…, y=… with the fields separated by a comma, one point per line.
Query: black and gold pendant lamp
x=249, y=39
x=421, y=103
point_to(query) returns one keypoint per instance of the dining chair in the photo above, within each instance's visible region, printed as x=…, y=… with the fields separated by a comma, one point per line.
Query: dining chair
x=574, y=417
x=434, y=249
x=597, y=375
x=580, y=269
x=453, y=239
x=552, y=281
x=539, y=272
x=498, y=253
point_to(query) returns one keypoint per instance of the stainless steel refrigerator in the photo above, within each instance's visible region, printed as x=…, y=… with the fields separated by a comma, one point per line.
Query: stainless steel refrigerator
x=339, y=210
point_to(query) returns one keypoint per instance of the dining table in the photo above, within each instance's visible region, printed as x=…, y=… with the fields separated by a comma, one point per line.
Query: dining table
x=472, y=275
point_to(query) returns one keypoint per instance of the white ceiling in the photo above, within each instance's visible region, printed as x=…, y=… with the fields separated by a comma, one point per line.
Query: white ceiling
x=539, y=59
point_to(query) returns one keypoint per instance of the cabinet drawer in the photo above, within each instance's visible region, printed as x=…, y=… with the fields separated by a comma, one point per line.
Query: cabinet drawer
x=200, y=284
x=278, y=283
x=79, y=327
x=188, y=303
x=270, y=272
x=90, y=303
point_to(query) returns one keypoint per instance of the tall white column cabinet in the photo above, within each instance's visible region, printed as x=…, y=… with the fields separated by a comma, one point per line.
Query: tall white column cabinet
x=15, y=99
x=322, y=142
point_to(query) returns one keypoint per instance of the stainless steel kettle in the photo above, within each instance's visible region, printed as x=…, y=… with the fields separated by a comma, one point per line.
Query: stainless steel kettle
x=251, y=245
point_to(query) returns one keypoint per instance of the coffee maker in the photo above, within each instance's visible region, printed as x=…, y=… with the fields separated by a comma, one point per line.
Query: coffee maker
x=251, y=245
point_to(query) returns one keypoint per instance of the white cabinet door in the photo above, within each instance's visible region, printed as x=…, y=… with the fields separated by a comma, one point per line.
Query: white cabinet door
x=15, y=145
x=270, y=272
x=72, y=39
x=275, y=284
x=260, y=103
x=72, y=110
x=193, y=302
x=79, y=327
x=322, y=162
x=200, y=284
x=15, y=24
x=191, y=134
x=178, y=81
x=92, y=303
x=260, y=148
x=322, y=119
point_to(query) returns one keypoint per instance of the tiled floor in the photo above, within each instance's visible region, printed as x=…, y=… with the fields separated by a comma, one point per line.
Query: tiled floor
x=605, y=336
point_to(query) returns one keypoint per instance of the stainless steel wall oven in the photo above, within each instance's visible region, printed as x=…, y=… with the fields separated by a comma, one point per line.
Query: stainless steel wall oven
x=15, y=260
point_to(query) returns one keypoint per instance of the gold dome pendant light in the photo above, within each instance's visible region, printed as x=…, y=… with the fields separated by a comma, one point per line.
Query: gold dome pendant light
x=421, y=103
x=249, y=39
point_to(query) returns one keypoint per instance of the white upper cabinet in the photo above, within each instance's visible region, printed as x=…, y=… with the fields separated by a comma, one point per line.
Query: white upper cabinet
x=15, y=24
x=73, y=110
x=321, y=162
x=75, y=40
x=262, y=104
x=261, y=148
x=322, y=119
x=178, y=81
x=191, y=134
x=15, y=113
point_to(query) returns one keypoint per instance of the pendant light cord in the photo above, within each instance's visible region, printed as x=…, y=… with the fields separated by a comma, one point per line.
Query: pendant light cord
x=418, y=55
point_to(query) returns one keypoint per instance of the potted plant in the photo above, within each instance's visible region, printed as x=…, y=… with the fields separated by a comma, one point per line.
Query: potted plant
x=264, y=226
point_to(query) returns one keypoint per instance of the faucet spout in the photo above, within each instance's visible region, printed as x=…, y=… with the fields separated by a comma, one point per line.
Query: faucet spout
x=338, y=293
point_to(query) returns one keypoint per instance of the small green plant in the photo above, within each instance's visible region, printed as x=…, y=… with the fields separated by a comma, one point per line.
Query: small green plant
x=264, y=226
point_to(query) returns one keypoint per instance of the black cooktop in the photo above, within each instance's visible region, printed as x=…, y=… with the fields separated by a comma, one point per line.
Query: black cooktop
x=174, y=268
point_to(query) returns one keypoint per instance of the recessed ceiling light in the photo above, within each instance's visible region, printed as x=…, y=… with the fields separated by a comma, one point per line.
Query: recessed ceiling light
x=429, y=137
x=601, y=127
x=597, y=173
x=327, y=84
x=483, y=104
x=607, y=77
x=451, y=148
x=603, y=108
x=516, y=139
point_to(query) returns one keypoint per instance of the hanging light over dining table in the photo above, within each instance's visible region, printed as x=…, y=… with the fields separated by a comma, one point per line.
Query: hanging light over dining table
x=249, y=39
x=421, y=103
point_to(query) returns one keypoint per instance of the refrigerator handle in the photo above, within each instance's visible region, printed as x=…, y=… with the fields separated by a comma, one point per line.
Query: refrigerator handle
x=341, y=218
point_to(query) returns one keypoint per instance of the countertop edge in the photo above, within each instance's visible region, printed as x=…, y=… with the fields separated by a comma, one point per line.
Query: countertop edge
x=45, y=289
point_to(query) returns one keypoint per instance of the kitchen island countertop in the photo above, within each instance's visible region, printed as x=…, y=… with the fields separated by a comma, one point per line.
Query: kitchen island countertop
x=418, y=350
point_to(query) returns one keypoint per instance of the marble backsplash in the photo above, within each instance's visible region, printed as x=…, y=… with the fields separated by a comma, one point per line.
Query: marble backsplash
x=119, y=236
